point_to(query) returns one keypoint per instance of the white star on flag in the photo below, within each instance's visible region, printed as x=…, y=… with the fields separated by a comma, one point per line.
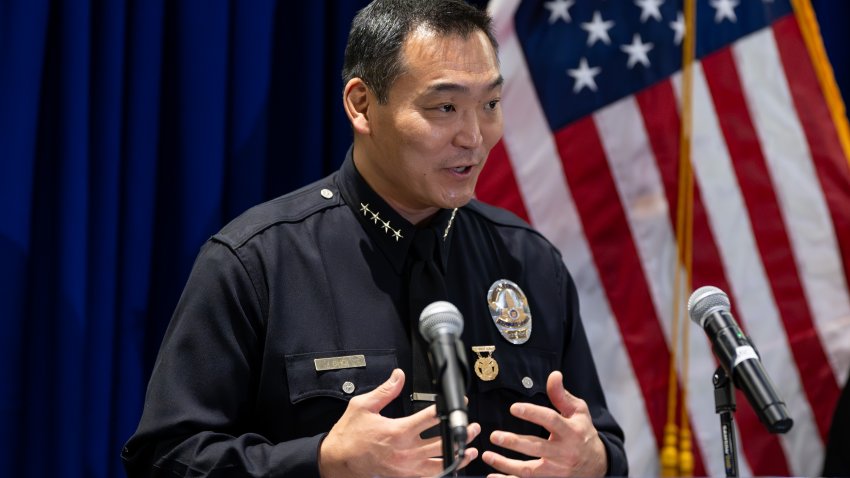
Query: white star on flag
x=559, y=9
x=649, y=8
x=584, y=76
x=678, y=27
x=724, y=9
x=637, y=51
x=597, y=29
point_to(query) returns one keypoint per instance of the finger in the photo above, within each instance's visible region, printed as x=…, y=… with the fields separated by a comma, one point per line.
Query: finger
x=421, y=420
x=526, y=444
x=509, y=466
x=434, y=446
x=377, y=399
x=547, y=418
x=468, y=455
x=472, y=432
x=565, y=402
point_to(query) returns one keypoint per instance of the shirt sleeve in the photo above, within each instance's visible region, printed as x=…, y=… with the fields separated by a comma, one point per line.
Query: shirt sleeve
x=197, y=418
x=581, y=379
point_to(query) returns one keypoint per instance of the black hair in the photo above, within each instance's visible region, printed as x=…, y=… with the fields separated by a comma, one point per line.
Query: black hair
x=379, y=30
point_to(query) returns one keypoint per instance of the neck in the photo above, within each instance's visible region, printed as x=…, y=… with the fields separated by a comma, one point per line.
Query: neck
x=415, y=216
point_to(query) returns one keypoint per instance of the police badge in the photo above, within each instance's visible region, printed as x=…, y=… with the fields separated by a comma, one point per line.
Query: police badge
x=509, y=310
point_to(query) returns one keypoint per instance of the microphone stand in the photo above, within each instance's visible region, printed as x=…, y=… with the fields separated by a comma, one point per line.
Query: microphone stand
x=724, y=405
x=445, y=433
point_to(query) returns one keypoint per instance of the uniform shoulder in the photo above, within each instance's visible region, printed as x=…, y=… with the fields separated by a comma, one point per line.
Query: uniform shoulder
x=497, y=215
x=507, y=221
x=292, y=207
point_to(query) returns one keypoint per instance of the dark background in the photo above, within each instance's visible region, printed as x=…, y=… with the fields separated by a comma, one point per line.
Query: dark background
x=130, y=131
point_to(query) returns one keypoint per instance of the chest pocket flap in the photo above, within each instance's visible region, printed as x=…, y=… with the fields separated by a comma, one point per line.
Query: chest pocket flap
x=339, y=373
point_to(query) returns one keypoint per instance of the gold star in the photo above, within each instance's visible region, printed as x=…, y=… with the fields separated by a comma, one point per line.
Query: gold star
x=397, y=234
x=375, y=217
x=387, y=226
x=364, y=208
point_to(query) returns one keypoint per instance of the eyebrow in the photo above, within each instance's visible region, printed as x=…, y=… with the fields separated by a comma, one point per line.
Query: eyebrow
x=450, y=87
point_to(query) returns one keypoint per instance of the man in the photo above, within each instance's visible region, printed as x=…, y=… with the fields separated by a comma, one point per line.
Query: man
x=294, y=351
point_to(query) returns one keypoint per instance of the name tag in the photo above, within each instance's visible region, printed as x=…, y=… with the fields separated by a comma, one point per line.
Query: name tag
x=337, y=363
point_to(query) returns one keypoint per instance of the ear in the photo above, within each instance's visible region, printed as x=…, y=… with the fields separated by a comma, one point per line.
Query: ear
x=356, y=100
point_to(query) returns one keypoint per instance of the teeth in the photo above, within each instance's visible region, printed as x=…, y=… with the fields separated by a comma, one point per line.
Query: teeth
x=460, y=169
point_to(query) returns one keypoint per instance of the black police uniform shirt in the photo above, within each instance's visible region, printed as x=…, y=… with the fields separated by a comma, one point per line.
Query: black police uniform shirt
x=319, y=273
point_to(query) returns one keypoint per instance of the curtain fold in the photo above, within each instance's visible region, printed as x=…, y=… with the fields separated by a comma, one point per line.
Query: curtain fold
x=130, y=131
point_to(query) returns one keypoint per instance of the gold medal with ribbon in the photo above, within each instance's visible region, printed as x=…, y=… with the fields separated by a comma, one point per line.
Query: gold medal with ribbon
x=509, y=310
x=486, y=367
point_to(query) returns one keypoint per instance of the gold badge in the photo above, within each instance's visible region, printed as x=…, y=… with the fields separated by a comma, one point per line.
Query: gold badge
x=486, y=367
x=509, y=310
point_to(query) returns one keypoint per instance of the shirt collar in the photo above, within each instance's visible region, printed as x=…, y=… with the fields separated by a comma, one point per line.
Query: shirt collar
x=391, y=232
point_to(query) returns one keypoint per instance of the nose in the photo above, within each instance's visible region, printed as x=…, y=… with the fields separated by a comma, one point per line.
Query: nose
x=469, y=135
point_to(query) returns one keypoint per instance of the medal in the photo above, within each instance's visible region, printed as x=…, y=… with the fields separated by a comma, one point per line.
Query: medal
x=486, y=367
x=509, y=310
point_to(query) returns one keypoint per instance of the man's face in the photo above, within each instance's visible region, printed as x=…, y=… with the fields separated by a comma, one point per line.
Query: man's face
x=427, y=145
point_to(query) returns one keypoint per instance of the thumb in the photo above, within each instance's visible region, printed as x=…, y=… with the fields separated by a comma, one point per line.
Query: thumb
x=377, y=399
x=565, y=402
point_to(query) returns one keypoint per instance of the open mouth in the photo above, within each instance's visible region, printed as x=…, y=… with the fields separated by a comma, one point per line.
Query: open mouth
x=462, y=169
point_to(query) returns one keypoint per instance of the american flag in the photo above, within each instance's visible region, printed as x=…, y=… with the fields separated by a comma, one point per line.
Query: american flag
x=592, y=106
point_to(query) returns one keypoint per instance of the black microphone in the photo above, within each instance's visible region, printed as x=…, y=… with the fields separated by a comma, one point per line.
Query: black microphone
x=709, y=307
x=441, y=324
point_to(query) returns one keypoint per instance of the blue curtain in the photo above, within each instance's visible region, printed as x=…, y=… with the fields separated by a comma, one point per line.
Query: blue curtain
x=130, y=131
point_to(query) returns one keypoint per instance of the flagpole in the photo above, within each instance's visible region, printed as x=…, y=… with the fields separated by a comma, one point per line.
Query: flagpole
x=807, y=21
x=676, y=454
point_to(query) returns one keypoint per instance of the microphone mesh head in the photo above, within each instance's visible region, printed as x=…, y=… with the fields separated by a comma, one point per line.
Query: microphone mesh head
x=705, y=301
x=440, y=316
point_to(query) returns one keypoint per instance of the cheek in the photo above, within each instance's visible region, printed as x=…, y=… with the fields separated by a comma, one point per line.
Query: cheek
x=492, y=132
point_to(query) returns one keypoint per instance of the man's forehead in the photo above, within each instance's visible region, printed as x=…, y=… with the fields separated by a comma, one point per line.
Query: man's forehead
x=425, y=45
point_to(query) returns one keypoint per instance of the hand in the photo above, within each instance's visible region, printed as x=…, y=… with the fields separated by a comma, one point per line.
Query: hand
x=573, y=448
x=363, y=443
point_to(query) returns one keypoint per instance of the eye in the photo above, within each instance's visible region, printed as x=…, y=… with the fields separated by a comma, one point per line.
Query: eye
x=491, y=105
x=447, y=108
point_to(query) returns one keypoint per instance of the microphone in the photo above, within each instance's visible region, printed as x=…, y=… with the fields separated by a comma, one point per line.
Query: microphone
x=441, y=324
x=709, y=308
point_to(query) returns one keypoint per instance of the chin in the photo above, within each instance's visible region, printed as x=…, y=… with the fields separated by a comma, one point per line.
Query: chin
x=456, y=201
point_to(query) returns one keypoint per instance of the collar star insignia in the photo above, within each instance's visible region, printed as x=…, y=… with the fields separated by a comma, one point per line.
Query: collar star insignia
x=376, y=217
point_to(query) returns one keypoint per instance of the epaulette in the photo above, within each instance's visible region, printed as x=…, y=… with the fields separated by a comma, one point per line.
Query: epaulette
x=292, y=207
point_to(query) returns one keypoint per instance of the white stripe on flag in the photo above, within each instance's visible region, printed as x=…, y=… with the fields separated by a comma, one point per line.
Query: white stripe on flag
x=800, y=196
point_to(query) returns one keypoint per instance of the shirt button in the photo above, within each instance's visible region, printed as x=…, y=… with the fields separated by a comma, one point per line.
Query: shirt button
x=326, y=193
x=348, y=387
x=527, y=382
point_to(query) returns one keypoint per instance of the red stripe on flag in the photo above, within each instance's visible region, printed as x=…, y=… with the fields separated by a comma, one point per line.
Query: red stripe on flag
x=661, y=117
x=657, y=105
x=770, y=234
x=497, y=184
x=827, y=155
x=616, y=258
